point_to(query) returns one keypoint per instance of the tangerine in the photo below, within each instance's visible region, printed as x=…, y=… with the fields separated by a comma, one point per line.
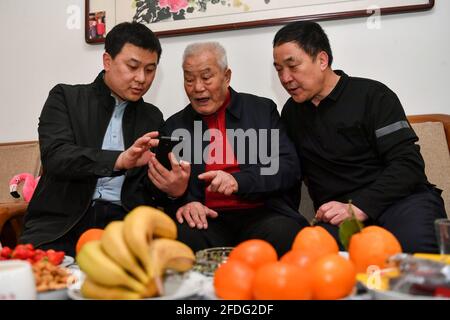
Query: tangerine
x=88, y=235
x=333, y=277
x=372, y=246
x=316, y=239
x=303, y=259
x=254, y=252
x=233, y=280
x=282, y=281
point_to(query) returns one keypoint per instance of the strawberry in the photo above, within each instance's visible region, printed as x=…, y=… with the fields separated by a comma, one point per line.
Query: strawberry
x=20, y=253
x=55, y=257
x=5, y=252
x=21, y=247
x=39, y=255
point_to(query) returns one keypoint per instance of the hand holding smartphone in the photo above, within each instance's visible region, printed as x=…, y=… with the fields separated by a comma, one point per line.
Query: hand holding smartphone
x=165, y=146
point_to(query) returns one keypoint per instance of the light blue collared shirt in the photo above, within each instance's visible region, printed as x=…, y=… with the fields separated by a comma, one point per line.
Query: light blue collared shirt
x=109, y=188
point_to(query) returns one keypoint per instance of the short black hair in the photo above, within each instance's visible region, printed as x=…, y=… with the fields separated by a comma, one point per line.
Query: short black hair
x=134, y=33
x=308, y=35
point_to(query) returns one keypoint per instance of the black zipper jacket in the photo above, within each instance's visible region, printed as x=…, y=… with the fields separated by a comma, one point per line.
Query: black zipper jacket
x=72, y=126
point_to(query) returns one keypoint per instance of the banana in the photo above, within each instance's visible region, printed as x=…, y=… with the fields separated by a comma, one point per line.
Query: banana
x=151, y=289
x=140, y=225
x=113, y=243
x=93, y=290
x=100, y=268
x=169, y=254
x=164, y=226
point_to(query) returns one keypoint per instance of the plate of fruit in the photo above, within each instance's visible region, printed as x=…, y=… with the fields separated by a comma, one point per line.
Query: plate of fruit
x=29, y=253
x=49, y=268
x=131, y=258
x=175, y=285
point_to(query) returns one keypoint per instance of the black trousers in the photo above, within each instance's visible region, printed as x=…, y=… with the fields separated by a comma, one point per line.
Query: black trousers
x=99, y=214
x=410, y=219
x=232, y=227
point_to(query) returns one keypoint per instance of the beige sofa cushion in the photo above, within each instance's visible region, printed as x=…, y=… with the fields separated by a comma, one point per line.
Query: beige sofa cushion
x=17, y=158
x=306, y=207
x=434, y=149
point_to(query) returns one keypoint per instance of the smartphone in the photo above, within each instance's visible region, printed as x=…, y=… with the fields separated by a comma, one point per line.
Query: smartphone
x=166, y=145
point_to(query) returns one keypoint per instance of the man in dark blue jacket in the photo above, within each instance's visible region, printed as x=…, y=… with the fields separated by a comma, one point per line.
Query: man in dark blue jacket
x=245, y=172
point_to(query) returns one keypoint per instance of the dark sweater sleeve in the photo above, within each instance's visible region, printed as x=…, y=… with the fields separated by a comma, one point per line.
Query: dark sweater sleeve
x=395, y=144
x=281, y=170
x=60, y=154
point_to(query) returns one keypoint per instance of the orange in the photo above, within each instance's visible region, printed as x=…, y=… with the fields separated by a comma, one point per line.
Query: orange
x=282, y=281
x=303, y=259
x=372, y=246
x=333, y=277
x=233, y=280
x=88, y=235
x=315, y=239
x=254, y=252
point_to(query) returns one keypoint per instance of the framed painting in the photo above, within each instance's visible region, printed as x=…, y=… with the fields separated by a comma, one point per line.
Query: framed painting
x=177, y=17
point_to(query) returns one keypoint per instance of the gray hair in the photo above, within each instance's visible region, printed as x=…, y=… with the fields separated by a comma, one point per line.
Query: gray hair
x=212, y=46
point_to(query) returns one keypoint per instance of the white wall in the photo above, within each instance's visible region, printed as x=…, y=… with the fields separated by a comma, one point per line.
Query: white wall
x=410, y=53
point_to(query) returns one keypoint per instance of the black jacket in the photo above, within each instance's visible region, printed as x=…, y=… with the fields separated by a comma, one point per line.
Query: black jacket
x=356, y=144
x=72, y=126
x=280, y=191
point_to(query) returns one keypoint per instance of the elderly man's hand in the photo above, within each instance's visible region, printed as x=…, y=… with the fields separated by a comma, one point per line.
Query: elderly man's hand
x=138, y=154
x=220, y=182
x=173, y=182
x=195, y=214
x=335, y=212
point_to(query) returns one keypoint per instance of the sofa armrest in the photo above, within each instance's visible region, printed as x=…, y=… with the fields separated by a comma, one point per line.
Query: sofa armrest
x=444, y=118
x=11, y=222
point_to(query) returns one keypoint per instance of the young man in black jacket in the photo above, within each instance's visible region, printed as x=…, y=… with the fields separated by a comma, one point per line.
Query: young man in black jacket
x=354, y=142
x=244, y=168
x=95, y=141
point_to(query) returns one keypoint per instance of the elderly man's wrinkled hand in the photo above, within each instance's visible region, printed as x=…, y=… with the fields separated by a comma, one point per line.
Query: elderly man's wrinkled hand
x=195, y=214
x=173, y=182
x=220, y=182
x=335, y=212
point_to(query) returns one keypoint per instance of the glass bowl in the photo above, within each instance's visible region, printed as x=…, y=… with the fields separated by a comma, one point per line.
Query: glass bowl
x=208, y=260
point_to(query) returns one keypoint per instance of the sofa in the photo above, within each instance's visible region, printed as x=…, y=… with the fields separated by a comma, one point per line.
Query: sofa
x=433, y=131
x=434, y=140
x=16, y=157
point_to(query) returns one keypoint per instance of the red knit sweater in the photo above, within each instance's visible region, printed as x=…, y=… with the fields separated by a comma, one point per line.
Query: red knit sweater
x=218, y=153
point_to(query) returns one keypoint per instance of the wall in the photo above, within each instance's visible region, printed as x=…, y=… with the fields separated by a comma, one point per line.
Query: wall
x=410, y=53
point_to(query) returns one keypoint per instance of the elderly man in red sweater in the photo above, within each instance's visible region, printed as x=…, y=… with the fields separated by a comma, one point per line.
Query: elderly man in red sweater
x=245, y=174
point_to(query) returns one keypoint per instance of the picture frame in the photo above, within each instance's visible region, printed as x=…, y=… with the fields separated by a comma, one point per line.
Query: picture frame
x=181, y=17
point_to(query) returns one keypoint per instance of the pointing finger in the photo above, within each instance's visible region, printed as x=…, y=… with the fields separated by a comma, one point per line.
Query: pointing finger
x=208, y=175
